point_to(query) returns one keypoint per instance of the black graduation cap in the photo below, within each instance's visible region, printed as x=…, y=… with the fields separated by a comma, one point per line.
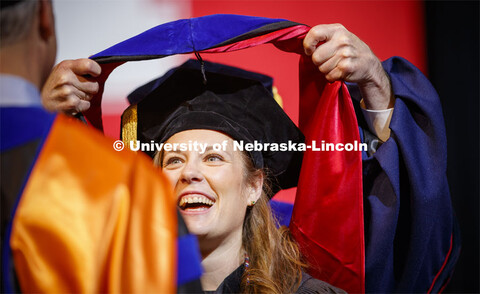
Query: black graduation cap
x=222, y=98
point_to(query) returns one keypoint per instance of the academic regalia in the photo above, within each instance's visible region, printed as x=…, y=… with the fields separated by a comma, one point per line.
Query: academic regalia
x=78, y=217
x=308, y=284
x=328, y=218
x=222, y=98
x=411, y=234
x=240, y=32
x=238, y=103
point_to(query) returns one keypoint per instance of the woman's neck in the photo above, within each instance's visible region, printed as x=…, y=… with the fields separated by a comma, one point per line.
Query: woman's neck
x=220, y=262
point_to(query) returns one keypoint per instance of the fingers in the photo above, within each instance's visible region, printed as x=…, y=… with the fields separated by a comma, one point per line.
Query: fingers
x=71, y=86
x=67, y=99
x=341, y=71
x=324, y=52
x=335, y=54
x=81, y=106
x=342, y=56
x=73, y=105
x=79, y=73
x=87, y=85
x=318, y=34
x=85, y=66
x=67, y=93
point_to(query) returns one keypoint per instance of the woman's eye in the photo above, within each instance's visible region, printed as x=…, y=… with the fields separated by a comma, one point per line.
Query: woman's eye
x=213, y=158
x=172, y=161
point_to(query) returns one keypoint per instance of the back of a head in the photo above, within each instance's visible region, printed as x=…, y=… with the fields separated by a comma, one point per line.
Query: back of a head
x=28, y=44
x=16, y=20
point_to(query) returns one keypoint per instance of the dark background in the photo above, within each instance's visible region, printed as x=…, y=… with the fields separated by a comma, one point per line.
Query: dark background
x=453, y=68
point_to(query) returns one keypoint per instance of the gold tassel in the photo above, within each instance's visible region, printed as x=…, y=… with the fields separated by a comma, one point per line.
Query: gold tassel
x=277, y=96
x=129, y=125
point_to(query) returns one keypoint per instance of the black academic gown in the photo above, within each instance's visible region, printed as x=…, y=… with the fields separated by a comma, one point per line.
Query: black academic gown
x=308, y=285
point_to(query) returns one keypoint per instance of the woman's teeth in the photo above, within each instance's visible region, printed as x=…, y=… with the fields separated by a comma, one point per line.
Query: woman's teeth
x=195, y=202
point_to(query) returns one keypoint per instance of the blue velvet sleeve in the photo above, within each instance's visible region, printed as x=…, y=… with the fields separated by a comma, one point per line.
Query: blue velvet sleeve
x=409, y=235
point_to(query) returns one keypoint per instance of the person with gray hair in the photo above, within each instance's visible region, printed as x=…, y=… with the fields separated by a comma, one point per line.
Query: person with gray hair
x=68, y=200
x=29, y=43
x=16, y=20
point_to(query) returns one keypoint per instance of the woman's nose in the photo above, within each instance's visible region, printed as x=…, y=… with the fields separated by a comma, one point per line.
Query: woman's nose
x=191, y=173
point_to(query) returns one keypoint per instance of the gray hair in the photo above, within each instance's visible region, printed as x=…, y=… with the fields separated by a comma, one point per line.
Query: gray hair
x=16, y=21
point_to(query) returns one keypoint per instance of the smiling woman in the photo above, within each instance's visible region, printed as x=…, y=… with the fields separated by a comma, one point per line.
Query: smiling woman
x=223, y=193
x=218, y=194
x=211, y=187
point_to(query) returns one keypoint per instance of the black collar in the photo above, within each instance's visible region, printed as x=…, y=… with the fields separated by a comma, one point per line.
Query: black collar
x=231, y=284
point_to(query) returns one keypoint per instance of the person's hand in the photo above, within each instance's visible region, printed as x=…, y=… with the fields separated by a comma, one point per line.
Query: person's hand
x=341, y=55
x=71, y=85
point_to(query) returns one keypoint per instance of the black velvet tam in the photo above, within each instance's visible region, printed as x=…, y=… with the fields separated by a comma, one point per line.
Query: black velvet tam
x=227, y=99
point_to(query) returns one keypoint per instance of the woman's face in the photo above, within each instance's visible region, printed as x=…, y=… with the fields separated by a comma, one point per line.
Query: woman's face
x=210, y=187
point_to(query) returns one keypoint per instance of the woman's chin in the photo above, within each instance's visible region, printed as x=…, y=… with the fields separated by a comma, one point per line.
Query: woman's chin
x=197, y=223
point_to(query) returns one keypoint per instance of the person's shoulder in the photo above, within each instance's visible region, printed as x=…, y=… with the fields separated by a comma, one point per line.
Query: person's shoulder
x=81, y=136
x=310, y=285
x=88, y=146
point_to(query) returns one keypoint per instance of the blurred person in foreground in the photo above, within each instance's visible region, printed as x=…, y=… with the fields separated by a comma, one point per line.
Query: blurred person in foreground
x=77, y=217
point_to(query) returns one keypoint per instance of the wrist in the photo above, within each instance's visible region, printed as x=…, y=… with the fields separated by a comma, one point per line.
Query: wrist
x=377, y=91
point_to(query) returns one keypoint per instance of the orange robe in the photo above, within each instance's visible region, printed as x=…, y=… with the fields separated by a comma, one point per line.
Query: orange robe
x=93, y=220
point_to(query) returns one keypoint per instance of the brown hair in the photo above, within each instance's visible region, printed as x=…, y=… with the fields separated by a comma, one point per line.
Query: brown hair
x=275, y=260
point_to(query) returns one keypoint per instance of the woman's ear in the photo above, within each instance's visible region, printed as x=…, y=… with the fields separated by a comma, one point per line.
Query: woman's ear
x=255, y=189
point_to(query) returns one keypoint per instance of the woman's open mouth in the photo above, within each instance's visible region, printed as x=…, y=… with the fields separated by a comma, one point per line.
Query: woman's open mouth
x=195, y=202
